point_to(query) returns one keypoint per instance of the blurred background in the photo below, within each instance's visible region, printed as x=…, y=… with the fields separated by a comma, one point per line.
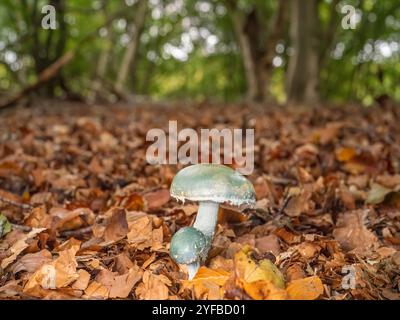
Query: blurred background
x=300, y=51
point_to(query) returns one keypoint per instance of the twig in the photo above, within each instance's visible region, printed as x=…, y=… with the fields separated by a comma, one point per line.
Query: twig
x=15, y=203
x=285, y=203
x=76, y=233
x=21, y=227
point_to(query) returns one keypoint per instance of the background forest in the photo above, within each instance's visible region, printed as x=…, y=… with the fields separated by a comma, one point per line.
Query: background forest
x=217, y=50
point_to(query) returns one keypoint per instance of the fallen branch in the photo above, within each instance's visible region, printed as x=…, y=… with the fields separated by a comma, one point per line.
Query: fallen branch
x=47, y=74
x=51, y=71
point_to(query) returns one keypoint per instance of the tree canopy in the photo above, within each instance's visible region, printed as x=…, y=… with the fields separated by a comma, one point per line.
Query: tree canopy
x=204, y=49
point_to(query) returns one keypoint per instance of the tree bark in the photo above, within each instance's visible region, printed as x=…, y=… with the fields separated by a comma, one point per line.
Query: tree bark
x=132, y=48
x=304, y=65
x=257, y=46
x=102, y=63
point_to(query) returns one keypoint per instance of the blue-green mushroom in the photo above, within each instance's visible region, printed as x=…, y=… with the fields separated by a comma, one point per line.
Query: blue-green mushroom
x=210, y=185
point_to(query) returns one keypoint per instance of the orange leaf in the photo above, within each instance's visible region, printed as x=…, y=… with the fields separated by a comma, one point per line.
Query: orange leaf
x=305, y=289
x=345, y=154
x=208, y=283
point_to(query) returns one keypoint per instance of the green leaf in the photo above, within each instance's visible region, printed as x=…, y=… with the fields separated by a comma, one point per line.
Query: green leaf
x=5, y=226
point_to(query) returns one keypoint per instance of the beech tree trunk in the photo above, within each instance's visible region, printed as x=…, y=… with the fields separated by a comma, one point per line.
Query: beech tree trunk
x=102, y=63
x=304, y=64
x=131, y=50
x=257, y=45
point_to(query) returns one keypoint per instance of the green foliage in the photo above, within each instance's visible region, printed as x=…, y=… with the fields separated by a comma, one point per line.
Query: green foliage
x=188, y=49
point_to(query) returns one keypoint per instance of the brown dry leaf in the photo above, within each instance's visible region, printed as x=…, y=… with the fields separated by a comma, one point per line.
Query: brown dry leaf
x=124, y=284
x=327, y=134
x=70, y=220
x=300, y=202
x=220, y=262
x=260, y=280
x=96, y=291
x=295, y=272
x=20, y=246
x=32, y=261
x=117, y=226
x=123, y=263
x=305, y=289
x=38, y=218
x=153, y=287
x=268, y=243
x=308, y=249
x=287, y=236
x=83, y=281
x=351, y=232
x=189, y=209
x=10, y=196
x=157, y=199
x=134, y=202
x=141, y=232
x=207, y=283
x=157, y=239
x=119, y=286
x=57, y=274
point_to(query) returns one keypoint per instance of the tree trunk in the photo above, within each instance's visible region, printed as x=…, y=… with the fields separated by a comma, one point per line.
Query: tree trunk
x=248, y=59
x=303, y=70
x=257, y=46
x=132, y=48
x=102, y=63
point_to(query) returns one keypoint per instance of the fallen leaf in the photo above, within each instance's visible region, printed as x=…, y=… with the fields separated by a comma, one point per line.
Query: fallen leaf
x=124, y=284
x=153, y=287
x=268, y=243
x=377, y=194
x=207, y=283
x=32, y=261
x=305, y=289
x=261, y=280
x=83, y=281
x=351, y=232
x=345, y=154
x=141, y=233
x=96, y=290
x=20, y=246
x=5, y=226
x=117, y=226
x=156, y=199
x=57, y=274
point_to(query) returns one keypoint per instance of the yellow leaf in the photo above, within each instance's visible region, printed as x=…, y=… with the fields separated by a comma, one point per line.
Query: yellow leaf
x=207, y=284
x=305, y=289
x=260, y=280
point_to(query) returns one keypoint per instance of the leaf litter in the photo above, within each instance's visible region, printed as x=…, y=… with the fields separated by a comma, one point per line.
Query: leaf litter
x=84, y=216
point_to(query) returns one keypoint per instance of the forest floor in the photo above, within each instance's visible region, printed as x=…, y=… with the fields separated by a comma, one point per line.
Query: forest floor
x=91, y=219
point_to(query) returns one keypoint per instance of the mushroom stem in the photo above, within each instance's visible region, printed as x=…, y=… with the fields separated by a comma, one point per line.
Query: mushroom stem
x=192, y=269
x=206, y=219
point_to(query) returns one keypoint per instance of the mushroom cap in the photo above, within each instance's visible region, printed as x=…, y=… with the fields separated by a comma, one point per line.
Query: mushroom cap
x=188, y=245
x=212, y=182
